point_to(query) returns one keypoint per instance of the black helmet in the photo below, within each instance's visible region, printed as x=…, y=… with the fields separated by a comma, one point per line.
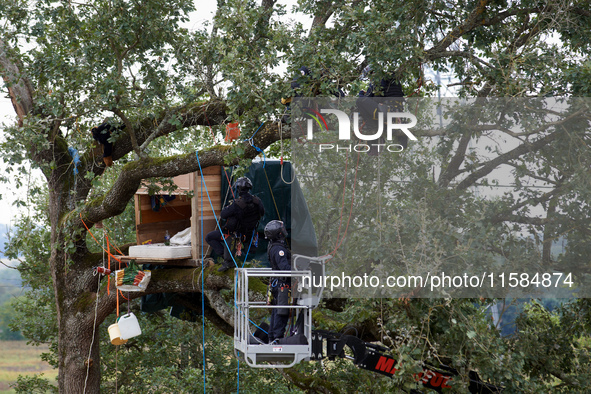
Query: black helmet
x=243, y=185
x=367, y=71
x=275, y=229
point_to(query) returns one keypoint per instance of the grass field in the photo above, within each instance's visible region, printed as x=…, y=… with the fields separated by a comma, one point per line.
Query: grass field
x=18, y=358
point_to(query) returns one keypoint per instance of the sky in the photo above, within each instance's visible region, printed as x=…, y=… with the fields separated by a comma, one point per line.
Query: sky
x=8, y=211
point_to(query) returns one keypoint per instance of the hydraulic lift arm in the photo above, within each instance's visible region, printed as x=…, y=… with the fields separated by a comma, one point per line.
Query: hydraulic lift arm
x=374, y=358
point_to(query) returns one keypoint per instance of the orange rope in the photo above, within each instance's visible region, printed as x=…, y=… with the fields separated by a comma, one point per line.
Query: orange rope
x=126, y=299
x=98, y=243
x=114, y=244
x=109, y=266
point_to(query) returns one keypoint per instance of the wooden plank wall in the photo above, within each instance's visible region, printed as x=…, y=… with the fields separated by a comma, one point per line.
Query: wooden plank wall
x=213, y=182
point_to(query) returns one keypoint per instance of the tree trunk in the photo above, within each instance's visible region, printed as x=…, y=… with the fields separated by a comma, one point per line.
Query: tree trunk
x=75, y=296
x=78, y=341
x=78, y=373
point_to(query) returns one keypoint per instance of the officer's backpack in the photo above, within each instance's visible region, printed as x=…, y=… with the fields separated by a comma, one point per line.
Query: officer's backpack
x=250, y=215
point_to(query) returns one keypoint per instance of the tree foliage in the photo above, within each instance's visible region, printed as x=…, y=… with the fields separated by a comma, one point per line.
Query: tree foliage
x=170, y=90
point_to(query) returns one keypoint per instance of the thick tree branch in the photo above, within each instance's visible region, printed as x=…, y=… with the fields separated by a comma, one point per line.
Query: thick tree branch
x=452, y=169
x=179, y=280
x=130, y=132
x=218, y=310
x=526, y=147
x=474, y=20
x=263, y=21
x=491, y=165
x=19, y=87
x=501, y=16
x=194, y=114
x=323, y=14
x=115, y=201
x=549, y=231
x=522, y=220
x=478, y=62
x=503, y=216
x=224, y=310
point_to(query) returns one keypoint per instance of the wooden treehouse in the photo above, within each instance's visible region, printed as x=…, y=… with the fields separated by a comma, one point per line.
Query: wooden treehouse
x=154, y=219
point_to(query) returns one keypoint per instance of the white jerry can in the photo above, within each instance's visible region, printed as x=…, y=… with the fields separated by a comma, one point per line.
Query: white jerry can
x=129, y=326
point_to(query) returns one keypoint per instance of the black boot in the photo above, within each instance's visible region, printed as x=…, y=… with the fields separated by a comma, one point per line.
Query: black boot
x=226, y=265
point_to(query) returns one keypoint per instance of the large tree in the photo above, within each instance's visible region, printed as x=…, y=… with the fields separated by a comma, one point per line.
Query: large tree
x=67, y=65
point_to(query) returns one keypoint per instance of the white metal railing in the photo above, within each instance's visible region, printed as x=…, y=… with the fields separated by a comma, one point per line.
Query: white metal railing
x=262, y=355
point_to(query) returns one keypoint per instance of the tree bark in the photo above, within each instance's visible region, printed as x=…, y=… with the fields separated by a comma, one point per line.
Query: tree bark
x=78, y=345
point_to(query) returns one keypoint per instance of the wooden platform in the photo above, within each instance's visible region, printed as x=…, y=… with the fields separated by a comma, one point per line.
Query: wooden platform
x=179, y=262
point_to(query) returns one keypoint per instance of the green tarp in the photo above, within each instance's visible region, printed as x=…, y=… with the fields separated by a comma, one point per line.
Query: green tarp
x=282, y=201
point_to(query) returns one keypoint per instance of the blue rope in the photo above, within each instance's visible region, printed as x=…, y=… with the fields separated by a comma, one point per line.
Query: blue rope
x=260, y=151
x=202, y=282
x=245, y=257
x=250, y=141
x=203, y=184
x=252, y=136
x=213, y=210
x=238, y=373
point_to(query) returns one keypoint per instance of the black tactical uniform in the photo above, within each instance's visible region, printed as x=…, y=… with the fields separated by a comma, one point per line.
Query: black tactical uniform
x=393, y=101
x=280, y=259
x=242, y=217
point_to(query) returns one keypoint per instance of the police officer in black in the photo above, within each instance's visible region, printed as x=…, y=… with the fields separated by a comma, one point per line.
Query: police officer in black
x=280, y=259
x=392, y=100
x=242, y=217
